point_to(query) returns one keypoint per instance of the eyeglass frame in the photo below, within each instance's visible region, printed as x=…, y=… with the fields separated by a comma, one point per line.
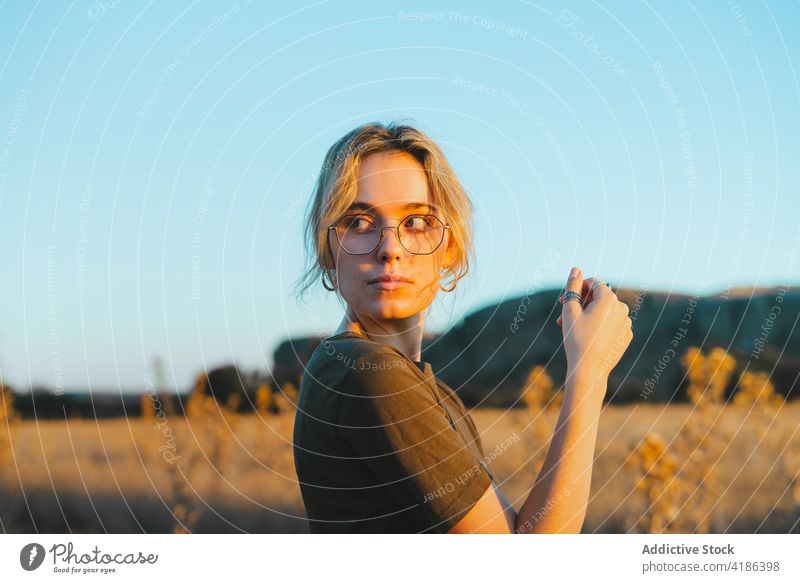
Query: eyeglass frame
x=384, y=227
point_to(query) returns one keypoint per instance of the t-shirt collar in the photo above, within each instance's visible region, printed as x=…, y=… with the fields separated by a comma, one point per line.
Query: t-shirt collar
x=423, y=365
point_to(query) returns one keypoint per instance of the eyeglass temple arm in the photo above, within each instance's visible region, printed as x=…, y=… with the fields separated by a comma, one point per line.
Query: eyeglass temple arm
x=331, y=228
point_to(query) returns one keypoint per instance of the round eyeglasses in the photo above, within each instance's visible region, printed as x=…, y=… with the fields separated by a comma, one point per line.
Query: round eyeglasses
x=359, y=234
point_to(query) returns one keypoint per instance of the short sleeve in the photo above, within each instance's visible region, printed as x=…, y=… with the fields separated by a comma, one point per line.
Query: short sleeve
x=391, y=421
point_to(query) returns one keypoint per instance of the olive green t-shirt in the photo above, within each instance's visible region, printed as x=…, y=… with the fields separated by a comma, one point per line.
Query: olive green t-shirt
x=381, y=444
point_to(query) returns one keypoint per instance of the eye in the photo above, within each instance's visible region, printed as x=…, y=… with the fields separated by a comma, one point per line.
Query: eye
x=358, y=223
x=419, y=223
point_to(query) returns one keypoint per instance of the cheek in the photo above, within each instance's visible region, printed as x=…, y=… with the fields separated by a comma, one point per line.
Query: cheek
x=347, y=274
x=428, y=275
x=433, y=268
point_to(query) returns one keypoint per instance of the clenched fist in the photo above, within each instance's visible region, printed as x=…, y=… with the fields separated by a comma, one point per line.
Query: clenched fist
x=596, y=330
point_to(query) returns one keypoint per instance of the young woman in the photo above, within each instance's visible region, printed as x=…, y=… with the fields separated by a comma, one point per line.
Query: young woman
x=380, y=443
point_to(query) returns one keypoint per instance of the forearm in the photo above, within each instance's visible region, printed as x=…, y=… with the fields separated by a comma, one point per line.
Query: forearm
x=557, y=501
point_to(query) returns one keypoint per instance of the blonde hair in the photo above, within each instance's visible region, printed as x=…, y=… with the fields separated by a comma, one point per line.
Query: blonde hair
x=336, y=188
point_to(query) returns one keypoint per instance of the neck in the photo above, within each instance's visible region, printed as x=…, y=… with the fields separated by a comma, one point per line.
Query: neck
x=404, y=334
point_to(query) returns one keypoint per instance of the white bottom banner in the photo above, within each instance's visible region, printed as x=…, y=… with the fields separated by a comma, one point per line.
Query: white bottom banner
x=630, y=557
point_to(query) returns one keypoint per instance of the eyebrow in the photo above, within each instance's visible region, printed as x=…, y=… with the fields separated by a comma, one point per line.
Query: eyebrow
x=408, y=207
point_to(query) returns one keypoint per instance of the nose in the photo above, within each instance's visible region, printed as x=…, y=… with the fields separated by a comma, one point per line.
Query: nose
x=390, y=247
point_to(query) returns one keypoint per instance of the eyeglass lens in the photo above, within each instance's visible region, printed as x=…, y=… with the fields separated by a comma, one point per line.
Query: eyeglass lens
x=361, y=234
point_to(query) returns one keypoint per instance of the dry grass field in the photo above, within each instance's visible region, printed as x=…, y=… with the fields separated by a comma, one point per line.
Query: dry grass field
x=84, y=476
x=703, y=466
x=754, y=491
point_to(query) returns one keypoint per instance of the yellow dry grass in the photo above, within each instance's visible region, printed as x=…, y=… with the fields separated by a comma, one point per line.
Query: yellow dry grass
x=696, y=467
x=679, y=482
x=541, y=401
x=8, y=421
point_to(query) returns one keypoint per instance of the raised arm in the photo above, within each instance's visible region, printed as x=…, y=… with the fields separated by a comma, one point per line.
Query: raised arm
x=595, y=338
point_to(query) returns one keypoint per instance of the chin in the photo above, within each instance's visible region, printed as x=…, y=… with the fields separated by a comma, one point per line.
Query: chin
x=389, y=309
x=394, y=311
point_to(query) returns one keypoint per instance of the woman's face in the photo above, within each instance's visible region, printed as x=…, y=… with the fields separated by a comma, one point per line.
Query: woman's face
x=391, y=186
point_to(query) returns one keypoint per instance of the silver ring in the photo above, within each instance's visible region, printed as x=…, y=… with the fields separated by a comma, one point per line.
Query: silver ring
x=568, y=296
x=595, y=284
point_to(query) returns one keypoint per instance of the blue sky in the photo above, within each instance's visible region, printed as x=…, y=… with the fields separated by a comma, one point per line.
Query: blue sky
x=156, y=160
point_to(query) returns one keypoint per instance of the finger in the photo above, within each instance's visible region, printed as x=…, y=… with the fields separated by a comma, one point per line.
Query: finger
x=602, y=293
x=571, y=309
x=603, y=290
x=588, y=293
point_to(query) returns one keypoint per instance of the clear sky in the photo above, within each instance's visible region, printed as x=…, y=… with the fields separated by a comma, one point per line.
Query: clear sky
x=156, y=160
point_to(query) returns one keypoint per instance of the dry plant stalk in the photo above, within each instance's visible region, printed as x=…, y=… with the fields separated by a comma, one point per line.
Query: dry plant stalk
x=755, y=388
x=657, y=468
x=148, y=411
x=702, y=439
x=205, y=417
x=755, y=395
x=265, y=401
x=9, y=419
x=290, y=393
x=185, y=508
x=540, y=398
x=690, y=488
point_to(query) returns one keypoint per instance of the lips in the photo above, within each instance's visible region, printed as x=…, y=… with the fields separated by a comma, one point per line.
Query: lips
x=389, y=282
x=389, y=278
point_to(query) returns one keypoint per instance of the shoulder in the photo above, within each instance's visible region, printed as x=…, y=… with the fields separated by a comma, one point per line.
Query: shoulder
x=334, y=357
x=359, y=366
x=382, y=387
x=381, y=373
